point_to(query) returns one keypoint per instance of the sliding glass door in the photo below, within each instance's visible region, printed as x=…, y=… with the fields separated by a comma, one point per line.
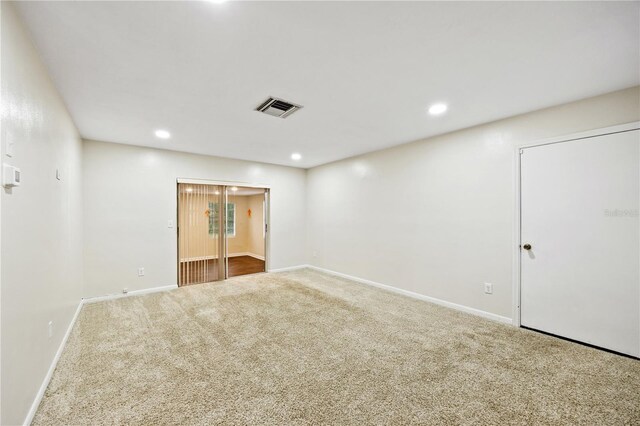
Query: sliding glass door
x=246, y=230
x=222, y=232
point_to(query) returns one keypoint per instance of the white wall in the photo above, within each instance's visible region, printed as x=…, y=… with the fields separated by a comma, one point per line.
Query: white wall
x=436, y=217
x=130, y=195
x=239, y=243
x=41, y=232
x=256, y=225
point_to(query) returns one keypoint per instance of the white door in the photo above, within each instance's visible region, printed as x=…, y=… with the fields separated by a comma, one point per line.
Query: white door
x=580, y=278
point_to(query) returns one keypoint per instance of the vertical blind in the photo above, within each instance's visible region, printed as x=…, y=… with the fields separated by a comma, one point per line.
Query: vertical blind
x=199, y=239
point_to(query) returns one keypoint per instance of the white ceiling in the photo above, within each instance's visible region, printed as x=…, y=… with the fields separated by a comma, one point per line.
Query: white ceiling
x=364, y=72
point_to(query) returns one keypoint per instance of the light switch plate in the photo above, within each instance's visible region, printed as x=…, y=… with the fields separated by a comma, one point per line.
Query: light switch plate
x=10, y=147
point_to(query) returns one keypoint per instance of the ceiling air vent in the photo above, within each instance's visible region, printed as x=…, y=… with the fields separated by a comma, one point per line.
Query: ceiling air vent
x=278, y=107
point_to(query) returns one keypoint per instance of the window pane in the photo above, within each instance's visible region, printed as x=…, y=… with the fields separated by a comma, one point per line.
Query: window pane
x=214, y=214
x=214, y=218
x=231, y=219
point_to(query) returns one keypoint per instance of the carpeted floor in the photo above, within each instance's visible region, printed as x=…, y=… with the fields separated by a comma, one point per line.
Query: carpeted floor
x=302, y=348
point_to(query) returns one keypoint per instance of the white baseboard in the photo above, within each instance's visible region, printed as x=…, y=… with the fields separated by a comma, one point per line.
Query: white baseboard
x=54, y=363
x=131, y=293
x=467, y=309
x=52, y=367
x=247, y=253
x=290, y=268
x=63, y=343
x=243, y=253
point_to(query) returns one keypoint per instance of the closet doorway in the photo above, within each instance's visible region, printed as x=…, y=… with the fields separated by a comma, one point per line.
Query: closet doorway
x=580, y=239
x=222, y=231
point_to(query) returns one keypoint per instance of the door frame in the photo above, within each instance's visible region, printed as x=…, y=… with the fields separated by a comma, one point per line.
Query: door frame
x=266, y=213
x=517, y=237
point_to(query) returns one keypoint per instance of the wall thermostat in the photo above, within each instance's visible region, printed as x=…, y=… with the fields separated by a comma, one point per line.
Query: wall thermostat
x=10, y=176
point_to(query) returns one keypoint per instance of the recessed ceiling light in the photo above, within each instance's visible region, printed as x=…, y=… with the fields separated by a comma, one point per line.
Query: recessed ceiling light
x=296, y=156
x=437, y=109
x=163, y=134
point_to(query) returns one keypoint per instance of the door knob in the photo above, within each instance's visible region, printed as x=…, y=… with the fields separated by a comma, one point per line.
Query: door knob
x=527, y=246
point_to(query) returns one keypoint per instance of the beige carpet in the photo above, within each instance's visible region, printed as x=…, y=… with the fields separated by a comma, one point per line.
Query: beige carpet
x=302, y=348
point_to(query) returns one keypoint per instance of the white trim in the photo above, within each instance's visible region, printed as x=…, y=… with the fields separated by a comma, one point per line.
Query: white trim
x=242, y=253
x=52, y=367
x=635, y=125
x=131, y=293
x=289, y=268
x=266, y=219
x=222, y=183
x=515, y=286
x=517, y=196
x=54, y=363
x=45, y=383
x=246, y=253
x=467, y=309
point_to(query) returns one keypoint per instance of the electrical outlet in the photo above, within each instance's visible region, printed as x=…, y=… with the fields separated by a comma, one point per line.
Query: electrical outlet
x=125, y=290
x=170, y=224
x=488, y=288
x=50, y=329
x=141, y=272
